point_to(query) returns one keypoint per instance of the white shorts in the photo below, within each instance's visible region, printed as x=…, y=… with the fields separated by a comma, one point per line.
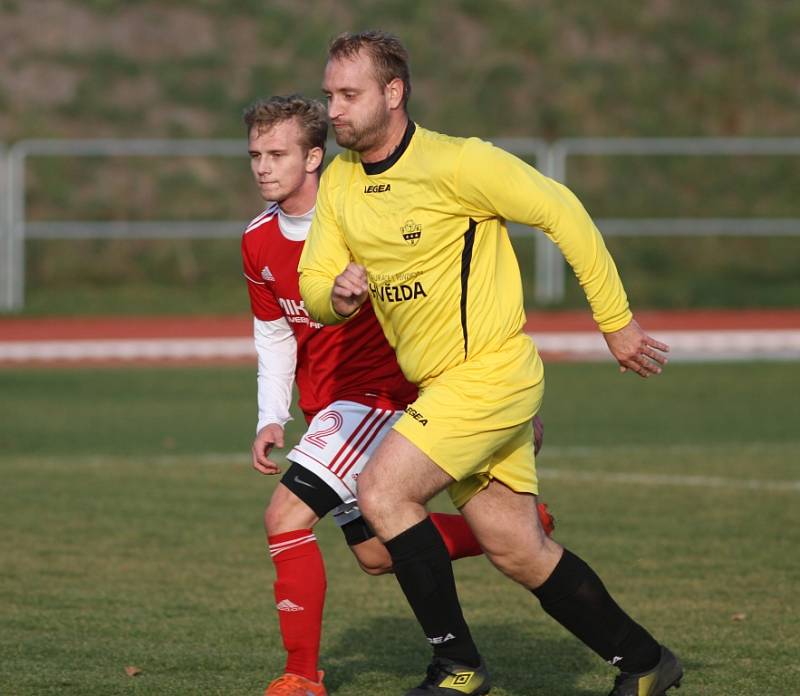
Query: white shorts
x=337, y=445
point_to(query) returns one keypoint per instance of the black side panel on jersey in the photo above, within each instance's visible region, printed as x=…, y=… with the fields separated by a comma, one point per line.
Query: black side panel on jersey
x=311, y=489
x=466, y=262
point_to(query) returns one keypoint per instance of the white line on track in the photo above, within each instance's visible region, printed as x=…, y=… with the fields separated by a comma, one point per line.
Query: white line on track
x=128, y=349
x=778, y=344
x=775, y=344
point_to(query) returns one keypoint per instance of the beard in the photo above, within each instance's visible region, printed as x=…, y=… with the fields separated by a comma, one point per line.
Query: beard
x=366, y=135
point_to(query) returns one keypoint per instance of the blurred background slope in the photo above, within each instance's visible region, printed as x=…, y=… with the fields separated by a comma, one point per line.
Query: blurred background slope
x=547, y=69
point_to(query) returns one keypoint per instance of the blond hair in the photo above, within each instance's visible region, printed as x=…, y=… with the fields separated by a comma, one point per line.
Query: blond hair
x=309, y=114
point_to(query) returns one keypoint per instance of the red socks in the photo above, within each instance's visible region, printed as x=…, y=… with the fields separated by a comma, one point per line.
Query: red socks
x=300, y=583
x=461, y=542
x=547, y=520
x=457, y=536
x=299, y=596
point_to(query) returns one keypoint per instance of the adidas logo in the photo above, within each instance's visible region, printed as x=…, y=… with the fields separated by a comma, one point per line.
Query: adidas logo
x=266, y=274
x=288, y=605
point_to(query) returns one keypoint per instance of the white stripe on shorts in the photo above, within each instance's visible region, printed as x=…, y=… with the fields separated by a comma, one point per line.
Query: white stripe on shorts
x=337, y=448
x=365, y=435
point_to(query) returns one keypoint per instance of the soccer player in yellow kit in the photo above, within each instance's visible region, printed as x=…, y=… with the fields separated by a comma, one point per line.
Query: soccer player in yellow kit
x=414, y=221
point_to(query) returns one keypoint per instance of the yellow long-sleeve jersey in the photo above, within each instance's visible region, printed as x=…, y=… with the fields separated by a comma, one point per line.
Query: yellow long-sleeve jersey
x=429, y=226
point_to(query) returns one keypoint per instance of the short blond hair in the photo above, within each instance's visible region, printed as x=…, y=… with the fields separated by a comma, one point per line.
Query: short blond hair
x=309, y=114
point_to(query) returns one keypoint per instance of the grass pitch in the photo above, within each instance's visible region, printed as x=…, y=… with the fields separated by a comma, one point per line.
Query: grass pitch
x=132, y=538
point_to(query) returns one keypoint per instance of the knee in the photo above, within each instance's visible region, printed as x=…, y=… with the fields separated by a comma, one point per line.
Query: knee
x=373, y=557
x=509, y=563
x=530, y=566
x=272, y=517
x=377, y=568
x=286, y=513
x=370, y=497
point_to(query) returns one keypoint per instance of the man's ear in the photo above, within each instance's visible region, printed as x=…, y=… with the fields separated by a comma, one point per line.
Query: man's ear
x=314, y=159
x=395, y=91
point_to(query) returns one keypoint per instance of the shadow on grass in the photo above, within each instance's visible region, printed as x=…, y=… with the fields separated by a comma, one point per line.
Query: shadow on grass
x=388, y=654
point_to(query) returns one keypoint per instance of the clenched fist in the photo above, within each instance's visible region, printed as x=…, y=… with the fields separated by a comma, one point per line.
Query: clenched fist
x=349, y=290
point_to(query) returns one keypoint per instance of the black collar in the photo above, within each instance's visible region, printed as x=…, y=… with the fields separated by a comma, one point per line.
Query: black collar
x=372, y=168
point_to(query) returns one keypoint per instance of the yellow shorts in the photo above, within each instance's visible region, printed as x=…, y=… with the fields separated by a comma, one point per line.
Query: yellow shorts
x=474, y=421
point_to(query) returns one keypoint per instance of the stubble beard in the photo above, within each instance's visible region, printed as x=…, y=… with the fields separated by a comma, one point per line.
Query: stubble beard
x=366, y=137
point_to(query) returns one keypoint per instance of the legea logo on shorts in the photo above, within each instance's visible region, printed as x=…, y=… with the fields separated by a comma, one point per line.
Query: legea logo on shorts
x=416, y=415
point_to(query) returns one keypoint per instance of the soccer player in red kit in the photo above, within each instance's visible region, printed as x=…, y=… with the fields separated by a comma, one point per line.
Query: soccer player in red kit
x=351, y=390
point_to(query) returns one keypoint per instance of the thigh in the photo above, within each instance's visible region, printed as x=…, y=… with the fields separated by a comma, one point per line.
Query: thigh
x=287, y=512
x=400, y=472
x=396, y=484
x=502, y=518
x=507, y=526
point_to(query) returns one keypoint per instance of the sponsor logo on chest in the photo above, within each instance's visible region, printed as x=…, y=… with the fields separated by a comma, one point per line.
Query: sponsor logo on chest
x=377, y=188
x=398, y=293
x=296, y=312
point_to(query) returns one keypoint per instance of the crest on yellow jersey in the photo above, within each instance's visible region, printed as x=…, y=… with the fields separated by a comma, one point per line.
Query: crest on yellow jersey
x=411, y=232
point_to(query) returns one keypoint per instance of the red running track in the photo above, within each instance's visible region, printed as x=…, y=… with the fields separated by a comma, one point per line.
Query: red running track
x=723, y=334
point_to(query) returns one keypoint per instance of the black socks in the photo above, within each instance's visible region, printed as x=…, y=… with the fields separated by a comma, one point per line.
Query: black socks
x=425, y=573
x=575, y=597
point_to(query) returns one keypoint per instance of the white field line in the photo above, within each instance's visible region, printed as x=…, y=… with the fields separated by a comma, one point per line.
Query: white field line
x=545, y=472
x=683, y=480
x=777, y=344
x=629, y=452
x=751, y=448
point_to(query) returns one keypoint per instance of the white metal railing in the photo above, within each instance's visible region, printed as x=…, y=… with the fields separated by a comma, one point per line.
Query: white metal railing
x=18, y=228
x=7, y=260
x=561, y=150
x=12, y=280
x=551, y=159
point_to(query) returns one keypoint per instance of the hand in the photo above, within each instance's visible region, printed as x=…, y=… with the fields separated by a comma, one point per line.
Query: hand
x=635, y=350
x=538, y=434
x=268, y=437
x=349, y=290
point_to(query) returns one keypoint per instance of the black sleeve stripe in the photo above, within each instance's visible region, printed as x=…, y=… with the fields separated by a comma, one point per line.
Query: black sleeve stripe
x=466, y=262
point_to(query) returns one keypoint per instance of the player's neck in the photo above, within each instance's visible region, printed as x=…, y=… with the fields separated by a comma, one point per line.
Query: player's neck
x=394, y=136
x=303, y=199
x=295, y=227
